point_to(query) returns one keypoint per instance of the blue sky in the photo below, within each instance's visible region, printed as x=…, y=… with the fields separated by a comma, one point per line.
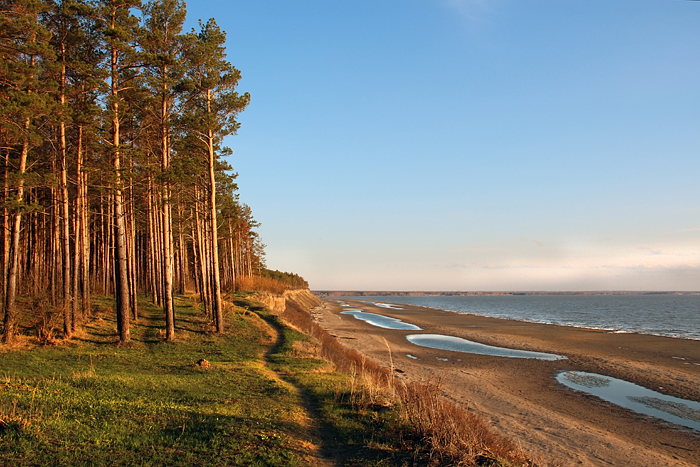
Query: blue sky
x=471, y=144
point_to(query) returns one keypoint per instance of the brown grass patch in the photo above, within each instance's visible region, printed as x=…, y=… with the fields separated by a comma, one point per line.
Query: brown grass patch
x=260, y=284
x=452, y=434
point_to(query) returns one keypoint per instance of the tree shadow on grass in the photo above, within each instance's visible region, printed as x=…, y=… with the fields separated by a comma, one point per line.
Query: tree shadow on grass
x=341, y=446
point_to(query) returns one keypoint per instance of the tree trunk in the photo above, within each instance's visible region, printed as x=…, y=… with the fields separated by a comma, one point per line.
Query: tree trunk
x=56, y=257
x=85, y=257
x=204, y=273
x=121, y=276
x=197, y=280
x=216, y=282
x=5, y=230
x=153, y=264
x=232, y=286
x=68, y=323
x=10, y=296
x=132, y=250
x=167, y=242
x=121, y=282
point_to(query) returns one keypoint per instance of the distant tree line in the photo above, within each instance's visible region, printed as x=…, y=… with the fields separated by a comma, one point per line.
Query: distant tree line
x=111, y=127
x=291, y=280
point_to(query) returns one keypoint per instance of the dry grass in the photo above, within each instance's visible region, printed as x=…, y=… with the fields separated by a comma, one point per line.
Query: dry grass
x=47, y=319
x=453, y=434
x=12, y=419
x=260, y=284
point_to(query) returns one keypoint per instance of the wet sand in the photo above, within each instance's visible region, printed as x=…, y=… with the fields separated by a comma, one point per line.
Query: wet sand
x=520, y=397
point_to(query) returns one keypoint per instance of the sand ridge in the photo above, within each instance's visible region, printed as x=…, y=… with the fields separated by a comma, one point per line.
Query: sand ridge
x=520, y=397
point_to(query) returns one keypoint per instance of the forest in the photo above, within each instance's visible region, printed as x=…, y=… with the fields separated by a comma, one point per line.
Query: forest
x=112, y=122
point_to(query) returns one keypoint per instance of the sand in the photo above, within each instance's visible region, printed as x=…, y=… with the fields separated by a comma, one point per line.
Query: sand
x=521, y=399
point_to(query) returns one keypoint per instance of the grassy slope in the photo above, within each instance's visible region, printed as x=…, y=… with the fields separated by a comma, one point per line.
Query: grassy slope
x=263, y=401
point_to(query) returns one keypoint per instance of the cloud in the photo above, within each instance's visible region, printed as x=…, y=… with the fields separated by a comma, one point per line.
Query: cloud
x=536, y=242
x=662, y=252
x=478, y=250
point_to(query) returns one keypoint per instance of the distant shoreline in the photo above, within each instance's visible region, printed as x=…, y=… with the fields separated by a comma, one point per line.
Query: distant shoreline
x=375, y=293
x=521, y=398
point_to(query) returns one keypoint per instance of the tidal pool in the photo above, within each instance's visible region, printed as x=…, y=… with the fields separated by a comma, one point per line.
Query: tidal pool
x=438, y=341
x=381, y=321
x=642, y=400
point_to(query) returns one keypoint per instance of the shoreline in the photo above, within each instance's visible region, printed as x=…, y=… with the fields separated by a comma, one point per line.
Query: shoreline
x=520, y=397
x=502, y=293
x=373, y=299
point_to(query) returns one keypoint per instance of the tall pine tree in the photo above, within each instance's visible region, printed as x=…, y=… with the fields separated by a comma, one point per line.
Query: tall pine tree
x=213, y=107
x=120, y=32
x=162, y=45
x=25, y=50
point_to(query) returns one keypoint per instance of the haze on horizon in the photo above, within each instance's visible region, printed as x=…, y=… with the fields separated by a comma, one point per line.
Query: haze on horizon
x=470, y=144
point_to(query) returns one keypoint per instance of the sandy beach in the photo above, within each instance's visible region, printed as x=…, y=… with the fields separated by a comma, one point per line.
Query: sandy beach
x=521, y=399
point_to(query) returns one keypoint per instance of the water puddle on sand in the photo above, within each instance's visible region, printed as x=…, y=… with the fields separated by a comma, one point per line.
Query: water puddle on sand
x=437, y=341
x=381, y=321
x=642, y=400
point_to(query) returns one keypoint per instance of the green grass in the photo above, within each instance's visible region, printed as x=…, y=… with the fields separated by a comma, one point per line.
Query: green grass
x=264, y=400
x=354, y=431
x=92, y=402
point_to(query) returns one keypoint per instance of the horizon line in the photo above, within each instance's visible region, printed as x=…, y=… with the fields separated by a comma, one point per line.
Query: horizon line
x=508, y=291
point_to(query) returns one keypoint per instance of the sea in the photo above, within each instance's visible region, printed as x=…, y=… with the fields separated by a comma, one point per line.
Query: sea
x=671, y=315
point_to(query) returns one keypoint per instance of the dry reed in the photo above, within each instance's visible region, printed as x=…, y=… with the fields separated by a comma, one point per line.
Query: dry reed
x=453, y=434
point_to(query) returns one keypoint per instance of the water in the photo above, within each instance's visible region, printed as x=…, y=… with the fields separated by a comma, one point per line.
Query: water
x=642, y=400
x=657, y=314
x=437, y=341
x=389, y=306
x=381, y=321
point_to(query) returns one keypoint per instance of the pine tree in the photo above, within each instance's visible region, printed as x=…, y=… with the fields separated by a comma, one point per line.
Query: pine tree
x=214, y=105
x=162, y=46
x=24, y=48
x=112, y=160
x=68, y=22
x=120, y=31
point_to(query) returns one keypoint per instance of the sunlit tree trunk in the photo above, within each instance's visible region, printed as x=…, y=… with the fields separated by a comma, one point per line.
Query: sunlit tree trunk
x=232, y=255
x=216, y=278
x=153, y=264
x=121, y=282
x=10, y=297
x=78, y=226
x=5, y=229
x=68, y=323
x=203, y=263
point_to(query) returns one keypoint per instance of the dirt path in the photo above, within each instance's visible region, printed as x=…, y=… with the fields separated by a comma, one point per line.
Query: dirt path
x=520, y=397
x=318, y=435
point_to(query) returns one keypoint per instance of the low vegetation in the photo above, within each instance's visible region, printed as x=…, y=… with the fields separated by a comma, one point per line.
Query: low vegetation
x=268, y=392
x=204, y=400
x=444, y=433
x=260, y=284
x=290, y=279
